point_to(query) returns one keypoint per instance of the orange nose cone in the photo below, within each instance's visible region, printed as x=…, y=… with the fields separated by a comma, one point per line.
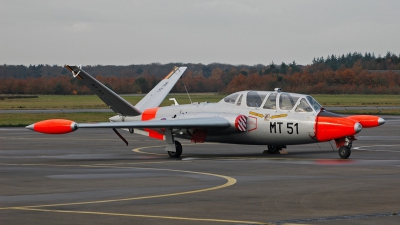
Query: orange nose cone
x=331, y=126
x=54, y=126
x=367, y=120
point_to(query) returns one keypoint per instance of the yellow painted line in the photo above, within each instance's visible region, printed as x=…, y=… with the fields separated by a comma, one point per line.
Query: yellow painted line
x=262, y=157
x=105, y=164
x=138, y=150
x=230, y=181
x=295, y=224
x=143, y=216
x=55, y=138
x=40, y=164
x=163, y=162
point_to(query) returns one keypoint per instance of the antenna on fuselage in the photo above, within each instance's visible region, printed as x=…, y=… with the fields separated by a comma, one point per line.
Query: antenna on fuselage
x=188, y=94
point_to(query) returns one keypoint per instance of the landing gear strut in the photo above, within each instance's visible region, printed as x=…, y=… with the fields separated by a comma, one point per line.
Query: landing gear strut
x=178, y=150
x=174, y=148
x=345, y=150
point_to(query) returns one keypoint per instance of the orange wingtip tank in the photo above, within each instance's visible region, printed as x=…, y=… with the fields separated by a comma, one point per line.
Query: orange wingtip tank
x=54, y=126
x=368, y=120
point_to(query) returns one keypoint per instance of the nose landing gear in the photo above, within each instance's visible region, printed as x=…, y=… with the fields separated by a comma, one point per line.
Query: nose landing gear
x=345, y=150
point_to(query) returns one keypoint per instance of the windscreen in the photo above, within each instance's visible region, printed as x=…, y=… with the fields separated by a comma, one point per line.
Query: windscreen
x=287, y=101
x=231, y=98
x=255, y=98
x=316, y=106
x=271, y=102
x=303, y=106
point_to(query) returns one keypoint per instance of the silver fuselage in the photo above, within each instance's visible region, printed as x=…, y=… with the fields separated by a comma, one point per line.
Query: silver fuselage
x=264, y=126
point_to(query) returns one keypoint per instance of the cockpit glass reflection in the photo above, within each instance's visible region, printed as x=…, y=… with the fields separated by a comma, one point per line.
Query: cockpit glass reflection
x=314, y=103
x=271, y=102
x=287, y=101
x=231, y=98
x=303, y=106
x=254, y=99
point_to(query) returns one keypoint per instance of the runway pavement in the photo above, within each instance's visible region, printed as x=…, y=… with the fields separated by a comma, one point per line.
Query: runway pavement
x=91, y=177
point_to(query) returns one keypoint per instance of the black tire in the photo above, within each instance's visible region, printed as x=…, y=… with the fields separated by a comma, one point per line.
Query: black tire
x=178, y=150
x=272, y=149
x=344, y=152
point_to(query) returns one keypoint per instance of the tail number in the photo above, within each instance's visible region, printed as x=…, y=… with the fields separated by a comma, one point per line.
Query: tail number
x=276, y=127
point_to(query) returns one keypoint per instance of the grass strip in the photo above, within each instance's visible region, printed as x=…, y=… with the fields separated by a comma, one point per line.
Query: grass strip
x=358, y=100
x=369, y=112
x=93, y=102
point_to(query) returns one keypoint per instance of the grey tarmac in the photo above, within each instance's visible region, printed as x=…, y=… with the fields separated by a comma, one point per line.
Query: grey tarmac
x=91, y=177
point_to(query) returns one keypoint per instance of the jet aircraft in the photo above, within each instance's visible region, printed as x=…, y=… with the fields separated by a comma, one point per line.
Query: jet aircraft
x=272, y=118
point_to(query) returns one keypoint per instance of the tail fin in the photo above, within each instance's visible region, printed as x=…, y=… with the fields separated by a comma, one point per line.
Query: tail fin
x=161, y=90
x=114, y=101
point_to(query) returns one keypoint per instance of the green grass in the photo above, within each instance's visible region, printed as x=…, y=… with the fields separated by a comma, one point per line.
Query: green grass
x=369, y=112
x=184, y=99
x=358, y=100
x=54, y=102
x=24, y=119
x=93, y=102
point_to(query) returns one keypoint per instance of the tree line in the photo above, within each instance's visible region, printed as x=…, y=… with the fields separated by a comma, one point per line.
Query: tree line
x=353, y=73
x=367, y=61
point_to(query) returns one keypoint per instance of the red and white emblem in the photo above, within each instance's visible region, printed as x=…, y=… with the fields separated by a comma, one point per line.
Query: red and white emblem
x=241, y=123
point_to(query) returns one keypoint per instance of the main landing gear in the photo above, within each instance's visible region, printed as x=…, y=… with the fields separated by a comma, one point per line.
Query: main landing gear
x=178, y=150
x=345, y=150
x=174, y=148
x=273, y=149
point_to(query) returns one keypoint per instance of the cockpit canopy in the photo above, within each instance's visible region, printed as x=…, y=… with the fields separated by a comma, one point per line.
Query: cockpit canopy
x=273, y=100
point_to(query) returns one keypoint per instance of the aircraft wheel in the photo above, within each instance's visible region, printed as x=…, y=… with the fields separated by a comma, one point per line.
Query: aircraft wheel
x=178, y=150
x=344, y=152
x=272, y=149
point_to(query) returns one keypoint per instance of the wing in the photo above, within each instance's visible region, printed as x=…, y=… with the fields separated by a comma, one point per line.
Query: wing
x=212, y=122
x=114, y=101
x=161, y=90
x=60, y=126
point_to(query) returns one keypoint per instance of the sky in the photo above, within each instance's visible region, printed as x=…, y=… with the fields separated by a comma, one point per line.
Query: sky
x=125, y=32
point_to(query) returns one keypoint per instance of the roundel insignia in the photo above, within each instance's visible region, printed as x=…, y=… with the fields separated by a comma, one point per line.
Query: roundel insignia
x=241, y=123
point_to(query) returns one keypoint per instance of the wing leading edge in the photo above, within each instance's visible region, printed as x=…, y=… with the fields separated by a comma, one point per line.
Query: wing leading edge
x=60, y=126
x=212, y=122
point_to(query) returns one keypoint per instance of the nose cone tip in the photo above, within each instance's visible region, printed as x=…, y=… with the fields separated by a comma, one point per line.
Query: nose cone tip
x=30, y=127
x=381, y=121
x=357, y=127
